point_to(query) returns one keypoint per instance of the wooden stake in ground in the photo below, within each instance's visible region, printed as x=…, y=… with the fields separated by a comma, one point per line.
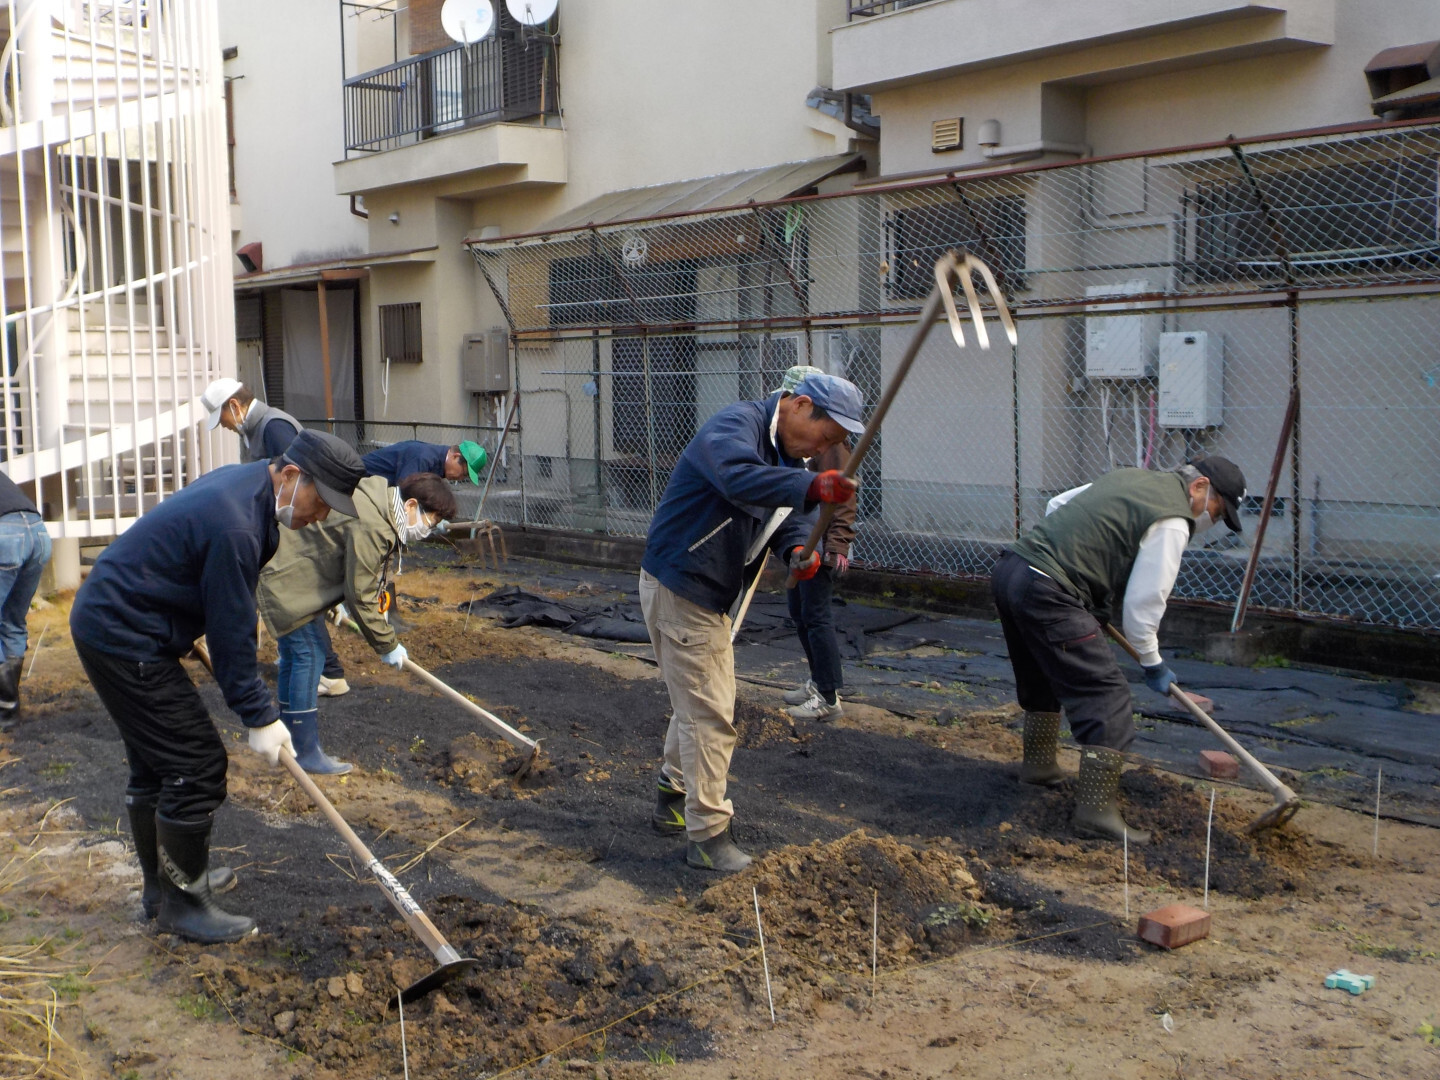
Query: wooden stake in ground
x=1209, y=822
x=1125, y=833
x=1375, y=845
x=756, y=894
x=874, y=943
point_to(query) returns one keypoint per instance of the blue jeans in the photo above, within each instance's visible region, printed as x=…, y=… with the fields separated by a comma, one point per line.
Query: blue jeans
x=815, y=620
x=24, y=551
x=302, y=654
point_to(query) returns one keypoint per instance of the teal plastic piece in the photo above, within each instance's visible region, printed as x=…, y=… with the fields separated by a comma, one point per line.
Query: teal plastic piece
x=1348, y=980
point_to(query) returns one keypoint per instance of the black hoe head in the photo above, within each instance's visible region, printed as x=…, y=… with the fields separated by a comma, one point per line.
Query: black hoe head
x=438, y=978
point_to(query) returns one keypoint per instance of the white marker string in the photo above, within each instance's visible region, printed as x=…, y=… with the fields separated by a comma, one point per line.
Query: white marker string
x=1375, y=845
x=1209, y=821
x=755, y=893
x=404, y=1052
x=38, y=642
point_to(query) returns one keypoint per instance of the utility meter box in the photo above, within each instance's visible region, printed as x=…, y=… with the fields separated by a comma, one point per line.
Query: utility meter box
x=1192, y=379
x=485, y=362
x=1120, y=346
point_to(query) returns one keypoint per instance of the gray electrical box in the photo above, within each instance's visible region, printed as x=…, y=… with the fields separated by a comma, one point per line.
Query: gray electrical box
x=485, y=362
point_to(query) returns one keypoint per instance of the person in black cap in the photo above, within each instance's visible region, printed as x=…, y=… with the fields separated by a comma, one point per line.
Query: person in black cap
x=708, y=537
x=1105, y=549
x=190, y=567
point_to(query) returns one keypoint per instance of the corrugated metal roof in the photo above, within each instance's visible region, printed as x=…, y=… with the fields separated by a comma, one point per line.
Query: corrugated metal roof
x=706, y=193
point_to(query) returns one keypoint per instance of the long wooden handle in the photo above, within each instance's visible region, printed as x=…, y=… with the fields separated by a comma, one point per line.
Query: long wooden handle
x=1276, y=786
x=928, y=314
x=396, y=893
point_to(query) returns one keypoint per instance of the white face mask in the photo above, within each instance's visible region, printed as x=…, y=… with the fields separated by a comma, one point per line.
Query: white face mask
x=285, y=515
x=416, y=531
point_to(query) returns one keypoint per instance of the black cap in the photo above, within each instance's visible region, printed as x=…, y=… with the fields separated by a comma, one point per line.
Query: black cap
x=331, y=464
x=1227, y=481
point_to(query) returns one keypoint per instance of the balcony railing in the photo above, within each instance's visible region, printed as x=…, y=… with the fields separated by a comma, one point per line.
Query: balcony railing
x=860, y=9
x=448, y=90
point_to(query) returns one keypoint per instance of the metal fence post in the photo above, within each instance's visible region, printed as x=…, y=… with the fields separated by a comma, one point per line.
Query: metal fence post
x=649, y=418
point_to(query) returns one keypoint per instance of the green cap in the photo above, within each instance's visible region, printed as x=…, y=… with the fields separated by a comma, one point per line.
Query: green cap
x=475, y=457
x=795, y=374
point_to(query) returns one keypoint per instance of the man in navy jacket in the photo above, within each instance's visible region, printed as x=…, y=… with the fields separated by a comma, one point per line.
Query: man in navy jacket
x=729, y=502
x=190, y=567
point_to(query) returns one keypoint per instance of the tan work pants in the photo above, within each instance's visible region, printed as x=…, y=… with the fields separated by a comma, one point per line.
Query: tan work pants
x=692, y=647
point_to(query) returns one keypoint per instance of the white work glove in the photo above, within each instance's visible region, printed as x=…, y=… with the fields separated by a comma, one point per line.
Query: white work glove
x=267, y=741
x=340, y=613
x=396, y=657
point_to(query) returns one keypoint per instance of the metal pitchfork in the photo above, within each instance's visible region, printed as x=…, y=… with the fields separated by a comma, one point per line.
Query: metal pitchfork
x=953, y=264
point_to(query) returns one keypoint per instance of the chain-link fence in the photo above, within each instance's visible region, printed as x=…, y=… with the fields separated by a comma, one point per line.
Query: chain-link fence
x=1167, y=304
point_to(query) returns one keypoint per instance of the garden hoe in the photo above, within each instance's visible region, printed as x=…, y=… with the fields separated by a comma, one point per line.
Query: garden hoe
x=452, y=964
x=1287, y=803
x=951, y=265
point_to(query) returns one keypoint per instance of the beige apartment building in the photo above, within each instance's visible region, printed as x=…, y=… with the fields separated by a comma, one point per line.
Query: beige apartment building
x=636, y=212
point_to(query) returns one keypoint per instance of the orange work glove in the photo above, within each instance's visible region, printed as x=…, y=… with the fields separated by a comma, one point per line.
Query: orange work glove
x=831, y=486
x=804, y=569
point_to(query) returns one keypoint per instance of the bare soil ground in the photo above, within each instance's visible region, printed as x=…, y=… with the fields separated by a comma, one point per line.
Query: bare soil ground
x=923, y=914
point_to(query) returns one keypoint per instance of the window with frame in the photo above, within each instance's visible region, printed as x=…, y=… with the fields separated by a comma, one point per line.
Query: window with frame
x=400, y=333
x=991, y=227
x=1350, y=217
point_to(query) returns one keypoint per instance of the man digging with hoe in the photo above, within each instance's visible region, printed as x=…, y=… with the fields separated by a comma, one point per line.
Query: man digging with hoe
x=1116, y=542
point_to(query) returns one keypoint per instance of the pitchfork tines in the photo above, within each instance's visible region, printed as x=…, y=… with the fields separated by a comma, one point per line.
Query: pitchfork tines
x=963, y=265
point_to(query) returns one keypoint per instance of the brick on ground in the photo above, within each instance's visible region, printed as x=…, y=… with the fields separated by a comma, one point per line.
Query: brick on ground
x=1219, y=765
x=1174, y=925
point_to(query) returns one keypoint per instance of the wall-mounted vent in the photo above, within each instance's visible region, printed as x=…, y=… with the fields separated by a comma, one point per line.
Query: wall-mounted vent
x=947, y=135
x=400, y=333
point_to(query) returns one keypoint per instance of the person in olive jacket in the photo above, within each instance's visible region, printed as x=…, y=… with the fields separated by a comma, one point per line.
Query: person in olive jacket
x=350, y=562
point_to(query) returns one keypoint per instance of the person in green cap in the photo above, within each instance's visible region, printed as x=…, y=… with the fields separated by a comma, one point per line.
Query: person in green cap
x=399, y=460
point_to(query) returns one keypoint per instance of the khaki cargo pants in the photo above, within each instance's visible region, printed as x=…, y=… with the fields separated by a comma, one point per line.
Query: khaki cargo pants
x=692, y=647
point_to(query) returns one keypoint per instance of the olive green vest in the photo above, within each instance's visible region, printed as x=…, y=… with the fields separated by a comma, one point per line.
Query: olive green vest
x=1089, y=545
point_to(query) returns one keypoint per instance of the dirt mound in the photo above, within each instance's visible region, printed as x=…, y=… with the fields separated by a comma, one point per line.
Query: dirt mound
x=818, y=902
x=542, y=982
x=1174, y=811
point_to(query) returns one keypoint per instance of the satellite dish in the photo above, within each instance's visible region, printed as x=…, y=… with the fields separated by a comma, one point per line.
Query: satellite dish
x=467, y=21
x=532, y=12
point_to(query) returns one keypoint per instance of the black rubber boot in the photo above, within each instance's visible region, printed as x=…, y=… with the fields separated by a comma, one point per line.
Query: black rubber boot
x=186, y=905
x=140, y=805
x=1097, y=797
x=669, y=816
x=718, y=853
x=1042, y=740
x=10, y=670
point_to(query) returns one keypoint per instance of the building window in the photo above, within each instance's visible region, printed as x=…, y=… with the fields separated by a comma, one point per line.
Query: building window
x=400, y=333
x=1354, y=217
x=990, y=227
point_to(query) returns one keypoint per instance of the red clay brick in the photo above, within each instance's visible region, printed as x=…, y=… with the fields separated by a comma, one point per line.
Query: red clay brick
x=1219, y=765
x=1174, y=925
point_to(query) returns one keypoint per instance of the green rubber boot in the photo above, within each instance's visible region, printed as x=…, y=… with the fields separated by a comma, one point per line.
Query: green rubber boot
x=669, y=816
x=1042, y=740
x=1097, y=797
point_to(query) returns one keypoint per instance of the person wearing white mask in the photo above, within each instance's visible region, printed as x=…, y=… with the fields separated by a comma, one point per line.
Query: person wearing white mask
x=186, y=568
x=1106, y=548
x=345, y=561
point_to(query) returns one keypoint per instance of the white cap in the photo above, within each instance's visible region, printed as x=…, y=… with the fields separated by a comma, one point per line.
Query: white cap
x=215, y=396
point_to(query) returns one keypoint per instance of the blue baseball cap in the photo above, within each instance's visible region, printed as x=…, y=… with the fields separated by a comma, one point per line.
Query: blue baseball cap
x=838, y=397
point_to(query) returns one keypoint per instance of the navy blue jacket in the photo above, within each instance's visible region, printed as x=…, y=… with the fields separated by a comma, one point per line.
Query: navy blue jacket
x=718, y=501
x=186, y=568
x=399, y=460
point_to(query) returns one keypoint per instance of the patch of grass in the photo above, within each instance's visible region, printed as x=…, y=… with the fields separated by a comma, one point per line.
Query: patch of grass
x=131, y=1074
x=1273, y=660
x=417, y=744
x=1329, y=772
x=70, y=986
x=56, y=770
x=973, y=916
x=1428, y=1032
x=1298, y=722
x=354, y=1019
x=1385, y=951
x=664, y=1055
x=197, y=1005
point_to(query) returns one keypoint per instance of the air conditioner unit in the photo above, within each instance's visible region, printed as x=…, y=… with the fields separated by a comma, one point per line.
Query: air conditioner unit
x=1120, y=346
x=1192, y=379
